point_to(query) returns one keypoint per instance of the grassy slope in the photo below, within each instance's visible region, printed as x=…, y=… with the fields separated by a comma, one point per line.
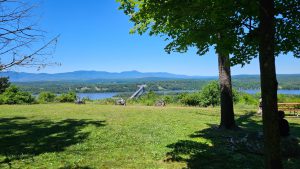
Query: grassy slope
x=95, y=136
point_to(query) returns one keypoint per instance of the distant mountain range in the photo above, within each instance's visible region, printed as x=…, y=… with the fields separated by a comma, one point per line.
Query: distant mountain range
x=93, y=76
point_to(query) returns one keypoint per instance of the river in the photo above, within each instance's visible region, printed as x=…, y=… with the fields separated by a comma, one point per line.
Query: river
x=288, y=92
x=98, y=96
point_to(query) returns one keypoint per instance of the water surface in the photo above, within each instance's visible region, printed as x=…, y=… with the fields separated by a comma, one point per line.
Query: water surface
x=96, y=96
x=288, y=92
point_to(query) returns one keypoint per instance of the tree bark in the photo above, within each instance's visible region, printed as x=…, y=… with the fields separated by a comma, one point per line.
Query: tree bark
x=227, y=112
x=269, y=85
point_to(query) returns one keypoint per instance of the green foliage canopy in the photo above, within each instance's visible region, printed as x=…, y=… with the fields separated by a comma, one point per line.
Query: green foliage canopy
x=4, y=84
x=46, y=97
x=191, y=99
x=232, y=26
x=67, y=97
x=13, y=95
x=287, y=30
x=210, y=94
x=193, y=23
x=149, y=98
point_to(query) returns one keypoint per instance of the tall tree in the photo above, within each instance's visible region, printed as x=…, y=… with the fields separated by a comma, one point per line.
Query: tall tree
x=269, y=84
x=264, y=28
x=21, y=42
x=199, y=24
x=271, y=27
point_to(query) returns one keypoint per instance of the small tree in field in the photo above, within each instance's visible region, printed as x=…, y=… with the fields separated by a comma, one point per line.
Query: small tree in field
x=67, y=97
x=46, y=97
x=191, y=99
x=210, y=94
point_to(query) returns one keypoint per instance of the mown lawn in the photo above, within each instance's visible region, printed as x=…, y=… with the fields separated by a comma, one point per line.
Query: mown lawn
x=95, y=136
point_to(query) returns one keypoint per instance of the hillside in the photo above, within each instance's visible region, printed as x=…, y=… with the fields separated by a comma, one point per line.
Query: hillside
x=90, y=76
x=93, y=81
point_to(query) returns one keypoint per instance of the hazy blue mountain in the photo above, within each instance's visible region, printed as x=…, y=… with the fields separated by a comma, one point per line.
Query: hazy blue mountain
x=92, y=76
x=95, y=76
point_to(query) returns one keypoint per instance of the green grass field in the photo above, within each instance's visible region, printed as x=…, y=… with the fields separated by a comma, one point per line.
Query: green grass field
x=94, y=136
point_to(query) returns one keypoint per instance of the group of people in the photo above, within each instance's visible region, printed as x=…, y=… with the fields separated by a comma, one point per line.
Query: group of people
x=284, y=128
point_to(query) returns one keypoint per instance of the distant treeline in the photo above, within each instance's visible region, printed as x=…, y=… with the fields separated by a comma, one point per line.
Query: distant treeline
x=209, y=95
x=288, y=82
x=239, y=82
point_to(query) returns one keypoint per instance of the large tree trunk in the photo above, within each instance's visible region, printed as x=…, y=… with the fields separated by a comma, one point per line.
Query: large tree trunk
x=269, y=86
x=227, y=113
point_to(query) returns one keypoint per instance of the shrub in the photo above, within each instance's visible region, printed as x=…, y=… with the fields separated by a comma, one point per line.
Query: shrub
x=235, y=96
x=46, y=97
x=150, y=95
x=168, y=99
x=247, y=99
x=149, y=99
x=2, y=99
x=86, y=99
x=283, y=98
x=108, y=101
x=13, y=95
x=67, y=97
x=192, y=99
x=210, y=94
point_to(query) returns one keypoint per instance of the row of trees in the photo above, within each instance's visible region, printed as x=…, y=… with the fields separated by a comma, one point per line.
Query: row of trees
x=209, y=95
x=10, y=94
x=286, y=82
x=241, y=29
x=48, y=97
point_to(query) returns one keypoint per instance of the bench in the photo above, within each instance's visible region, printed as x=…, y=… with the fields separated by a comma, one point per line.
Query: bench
x=291, y=107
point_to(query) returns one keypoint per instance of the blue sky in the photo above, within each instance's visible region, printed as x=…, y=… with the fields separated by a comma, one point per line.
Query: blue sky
x=95, y=36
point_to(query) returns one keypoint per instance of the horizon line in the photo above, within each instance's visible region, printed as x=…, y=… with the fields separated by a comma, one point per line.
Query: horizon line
x=140, y=72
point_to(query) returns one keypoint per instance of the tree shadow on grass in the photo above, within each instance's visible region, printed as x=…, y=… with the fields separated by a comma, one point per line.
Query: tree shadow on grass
x=76, y=167
x=212, y=148
x=22, y=138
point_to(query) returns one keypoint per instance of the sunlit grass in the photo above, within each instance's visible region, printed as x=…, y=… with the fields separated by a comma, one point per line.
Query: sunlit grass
x=96, y=136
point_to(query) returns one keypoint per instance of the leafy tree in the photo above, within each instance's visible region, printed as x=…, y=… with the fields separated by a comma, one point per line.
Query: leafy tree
x=67, y=97
x=46, y=97
x=210, y=94
x=191, y=99
x=13, y=95
x=270, y=28
x=247, y=99
x=4, y=84
x=149, y=99
x=168, y=99
x=267, y=27
x=194, y=23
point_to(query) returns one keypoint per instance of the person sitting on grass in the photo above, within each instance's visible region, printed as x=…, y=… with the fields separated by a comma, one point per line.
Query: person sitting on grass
x=284, y=127
x=259, y=111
